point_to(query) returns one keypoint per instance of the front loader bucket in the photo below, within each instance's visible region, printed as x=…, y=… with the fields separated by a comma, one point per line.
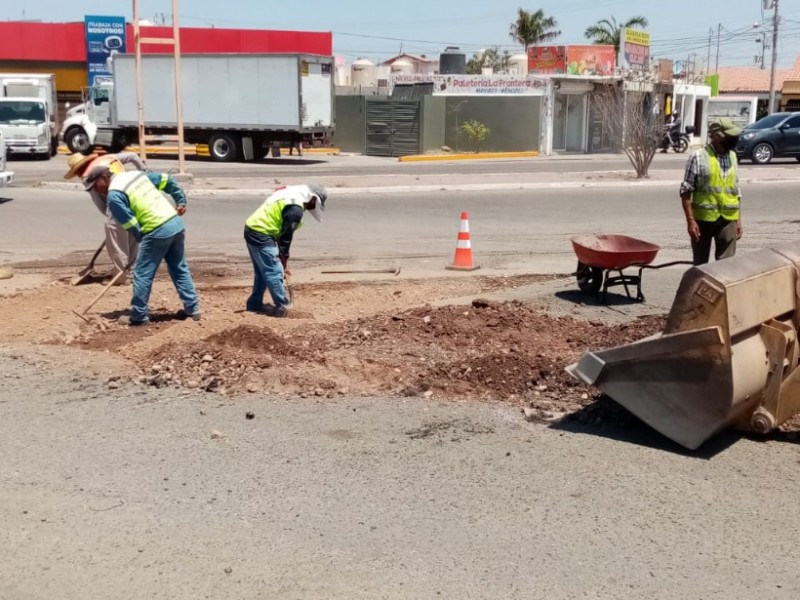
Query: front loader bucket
x=728, y=355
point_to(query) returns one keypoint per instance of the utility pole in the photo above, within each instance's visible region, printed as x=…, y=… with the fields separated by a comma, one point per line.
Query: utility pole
x=719, y=32
x=708, y=56
x=775, y=21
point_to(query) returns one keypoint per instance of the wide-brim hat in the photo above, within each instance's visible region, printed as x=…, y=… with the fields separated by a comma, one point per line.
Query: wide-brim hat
x=77, y=163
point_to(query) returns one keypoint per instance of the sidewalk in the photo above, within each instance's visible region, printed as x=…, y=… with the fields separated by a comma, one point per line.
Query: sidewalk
x=356, y=174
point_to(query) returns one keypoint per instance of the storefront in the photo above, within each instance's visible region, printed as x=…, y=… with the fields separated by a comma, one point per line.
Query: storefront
x=690, y=102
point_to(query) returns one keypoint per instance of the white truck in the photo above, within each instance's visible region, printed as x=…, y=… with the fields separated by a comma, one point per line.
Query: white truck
x=29, y=114
x=239, y=105
x=6, y=177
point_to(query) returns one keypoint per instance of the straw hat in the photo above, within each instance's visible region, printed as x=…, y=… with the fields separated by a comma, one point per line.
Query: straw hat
x=76, y=164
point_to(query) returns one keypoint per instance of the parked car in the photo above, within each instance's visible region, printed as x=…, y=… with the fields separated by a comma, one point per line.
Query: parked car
x=774, y=136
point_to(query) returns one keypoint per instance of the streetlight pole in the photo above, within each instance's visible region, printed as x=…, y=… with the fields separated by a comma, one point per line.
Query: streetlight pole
x=775, y=21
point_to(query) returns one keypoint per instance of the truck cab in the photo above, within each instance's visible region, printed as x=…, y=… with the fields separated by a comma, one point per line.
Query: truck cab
x=28, y=115
x=79, y=130
x=6, y=177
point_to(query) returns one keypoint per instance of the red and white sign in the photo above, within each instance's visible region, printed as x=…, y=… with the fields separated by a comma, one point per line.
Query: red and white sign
x=478, y=85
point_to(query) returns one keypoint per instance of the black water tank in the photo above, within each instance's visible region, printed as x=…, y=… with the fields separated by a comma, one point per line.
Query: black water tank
x=452, y=62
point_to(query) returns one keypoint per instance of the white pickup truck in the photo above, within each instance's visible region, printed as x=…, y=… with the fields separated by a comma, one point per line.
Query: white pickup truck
x=6, y=177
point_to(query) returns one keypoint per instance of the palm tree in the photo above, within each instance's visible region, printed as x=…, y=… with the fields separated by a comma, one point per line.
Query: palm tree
x=607, y=31
x=532, y=28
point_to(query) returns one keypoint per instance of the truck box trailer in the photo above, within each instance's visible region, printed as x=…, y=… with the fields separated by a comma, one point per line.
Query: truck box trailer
x=240, y=105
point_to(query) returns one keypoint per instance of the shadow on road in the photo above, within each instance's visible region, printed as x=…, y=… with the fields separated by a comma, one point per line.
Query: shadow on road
x=611, y=298
x=4, y=200
x=605, y=418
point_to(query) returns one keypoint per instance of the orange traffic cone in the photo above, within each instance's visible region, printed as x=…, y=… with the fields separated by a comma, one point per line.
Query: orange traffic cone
x=463, y=259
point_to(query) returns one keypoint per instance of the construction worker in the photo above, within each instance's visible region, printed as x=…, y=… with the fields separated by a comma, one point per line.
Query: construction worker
x=710, y=194
x=120, y=245
x=269, y=232
x=136, y=202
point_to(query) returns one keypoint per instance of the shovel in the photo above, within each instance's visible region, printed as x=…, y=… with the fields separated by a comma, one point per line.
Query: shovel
x=102, y=293
x=395, y=271
x=87, y=270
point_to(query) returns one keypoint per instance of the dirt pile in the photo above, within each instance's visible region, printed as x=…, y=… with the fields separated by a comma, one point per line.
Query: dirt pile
x=487, y=351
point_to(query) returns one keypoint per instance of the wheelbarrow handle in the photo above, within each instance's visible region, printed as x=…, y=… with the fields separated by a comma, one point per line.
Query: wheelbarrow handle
x=669, y=264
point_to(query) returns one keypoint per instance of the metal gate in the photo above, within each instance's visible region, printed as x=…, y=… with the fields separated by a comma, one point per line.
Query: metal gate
x=393, y=127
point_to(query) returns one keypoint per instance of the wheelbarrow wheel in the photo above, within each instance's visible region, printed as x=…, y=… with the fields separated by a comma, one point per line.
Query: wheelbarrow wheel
x=590, y=279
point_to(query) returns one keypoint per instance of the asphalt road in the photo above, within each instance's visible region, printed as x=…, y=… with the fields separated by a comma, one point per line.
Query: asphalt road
x=126, y=495
x=520, y=231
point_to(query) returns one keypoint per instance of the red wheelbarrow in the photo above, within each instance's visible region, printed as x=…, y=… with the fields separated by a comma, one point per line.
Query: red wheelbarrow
x=603, y=258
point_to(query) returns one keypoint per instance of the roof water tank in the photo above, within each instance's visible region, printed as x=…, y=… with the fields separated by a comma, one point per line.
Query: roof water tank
x=363, y=71
x=402, y=67
x=518, y=65
x=452, y=62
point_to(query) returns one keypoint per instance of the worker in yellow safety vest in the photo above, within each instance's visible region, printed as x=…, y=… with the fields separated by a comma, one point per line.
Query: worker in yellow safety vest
x=710, y=194
x=136, y=201
x=268, y=233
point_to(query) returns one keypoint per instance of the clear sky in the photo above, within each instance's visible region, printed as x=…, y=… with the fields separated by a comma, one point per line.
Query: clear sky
x=379, y=29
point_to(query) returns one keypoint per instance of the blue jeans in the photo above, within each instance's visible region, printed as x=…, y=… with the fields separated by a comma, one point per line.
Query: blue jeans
x=164, y=244
x=268, y=276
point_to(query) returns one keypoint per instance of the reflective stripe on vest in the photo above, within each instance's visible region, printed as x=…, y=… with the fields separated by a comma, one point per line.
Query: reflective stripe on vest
x=715, y=196
x=150, y=207
x=268, y=218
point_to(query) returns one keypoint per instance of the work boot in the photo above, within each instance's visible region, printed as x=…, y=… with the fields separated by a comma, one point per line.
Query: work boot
x=183, y=315
x=279, y=312
x=126, y=320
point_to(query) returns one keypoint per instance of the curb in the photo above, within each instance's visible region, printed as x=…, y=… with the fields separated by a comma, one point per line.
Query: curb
x=477, y=156
x=406, y=189
x=202, y=150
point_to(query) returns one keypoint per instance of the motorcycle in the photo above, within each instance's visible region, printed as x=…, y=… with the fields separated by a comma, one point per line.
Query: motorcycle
x=677, y=140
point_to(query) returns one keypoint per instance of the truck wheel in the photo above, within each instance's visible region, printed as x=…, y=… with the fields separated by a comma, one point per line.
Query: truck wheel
x=223, y=147
x=77, y=140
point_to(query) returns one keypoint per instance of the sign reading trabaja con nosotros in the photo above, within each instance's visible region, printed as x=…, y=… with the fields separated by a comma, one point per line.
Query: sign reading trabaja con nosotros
x=105, y=36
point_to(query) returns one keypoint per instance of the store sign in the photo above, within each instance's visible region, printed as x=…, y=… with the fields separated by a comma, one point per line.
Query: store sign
x=594, y=60
x=547, y=60
x=477, y=85
x=634, y=49
x=105, y=36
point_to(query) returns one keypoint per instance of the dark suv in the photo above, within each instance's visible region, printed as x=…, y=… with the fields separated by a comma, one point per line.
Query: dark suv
x=774, y=136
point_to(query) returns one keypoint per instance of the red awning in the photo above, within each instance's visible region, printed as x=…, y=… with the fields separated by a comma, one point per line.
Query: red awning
x=65, y=42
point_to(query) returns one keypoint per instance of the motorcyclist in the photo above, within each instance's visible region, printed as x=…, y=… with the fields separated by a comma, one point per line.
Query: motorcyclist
x=672, y=131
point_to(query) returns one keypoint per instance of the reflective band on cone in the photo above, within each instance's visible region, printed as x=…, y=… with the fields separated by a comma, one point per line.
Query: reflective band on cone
x=463, y=258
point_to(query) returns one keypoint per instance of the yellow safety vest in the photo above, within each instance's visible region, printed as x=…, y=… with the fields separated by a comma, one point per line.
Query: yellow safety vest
x=268, y=218
x=148, y=204
x=715, y=196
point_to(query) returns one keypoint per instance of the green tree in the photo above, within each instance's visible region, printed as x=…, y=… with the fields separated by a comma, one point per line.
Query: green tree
x=493, y=58
x=477, y=133
x=607, y=32
x=533, y=28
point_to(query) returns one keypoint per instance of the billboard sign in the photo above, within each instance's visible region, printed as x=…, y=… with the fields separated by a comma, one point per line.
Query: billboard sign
x=477, y=85
x=547, y=60
x=591, y=60
x=634, y=49
x=105, y=36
